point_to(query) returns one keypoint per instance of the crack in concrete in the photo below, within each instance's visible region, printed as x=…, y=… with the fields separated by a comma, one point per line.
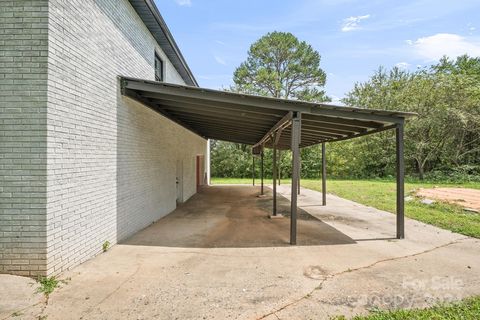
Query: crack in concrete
x=276, y=316
x=308, y=295
x=45, y=302
x=92, y=308
x=24, y=310
x=43, y=305
x=328, y=277
x=220, y=255
x=274, y=312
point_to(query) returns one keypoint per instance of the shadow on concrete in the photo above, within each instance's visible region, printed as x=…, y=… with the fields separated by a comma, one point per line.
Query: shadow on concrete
x=234, y=216
x=377, y=239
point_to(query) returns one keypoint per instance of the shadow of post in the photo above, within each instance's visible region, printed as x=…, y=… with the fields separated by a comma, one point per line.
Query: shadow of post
x=234, y=217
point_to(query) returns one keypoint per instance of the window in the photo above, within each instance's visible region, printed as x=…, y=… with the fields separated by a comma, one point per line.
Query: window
x=158, y=68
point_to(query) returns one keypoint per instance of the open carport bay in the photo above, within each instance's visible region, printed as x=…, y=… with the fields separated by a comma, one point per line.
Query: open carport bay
x=219, y=256
x=235, y=217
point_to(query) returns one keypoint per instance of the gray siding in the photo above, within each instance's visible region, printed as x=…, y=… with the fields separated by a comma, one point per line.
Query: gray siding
x=23, y=107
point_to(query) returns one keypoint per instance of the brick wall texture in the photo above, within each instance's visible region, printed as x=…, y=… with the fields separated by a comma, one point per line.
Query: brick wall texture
x=23, y=136
x=80, y=163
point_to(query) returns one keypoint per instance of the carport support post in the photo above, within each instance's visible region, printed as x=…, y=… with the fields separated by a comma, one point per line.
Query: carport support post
x=296, y=129
x=324, y=176
x=400, y=183
x=299, y=175
x=261, y=171
x=253, y=169
x=274, y=176
x=279, y=169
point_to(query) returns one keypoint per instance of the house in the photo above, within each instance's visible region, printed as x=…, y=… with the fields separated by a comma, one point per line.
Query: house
x=103, y=129
x=80, y=163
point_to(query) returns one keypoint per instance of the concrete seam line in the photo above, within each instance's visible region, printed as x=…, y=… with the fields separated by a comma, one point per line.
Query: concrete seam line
x=24, y=309
x=111, y=293
x=319, y=287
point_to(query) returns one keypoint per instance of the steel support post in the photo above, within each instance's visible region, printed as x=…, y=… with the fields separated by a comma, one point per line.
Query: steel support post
x=279, y=166
x=274, y=174
x=299, y=177
x=400, y=183
x=261, y=172
x=253, y=169
x=324, y=175
x=296, y=129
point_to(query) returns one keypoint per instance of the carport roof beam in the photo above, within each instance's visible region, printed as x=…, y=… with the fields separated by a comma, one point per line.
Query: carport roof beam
x=253, y=120
x=280, y=125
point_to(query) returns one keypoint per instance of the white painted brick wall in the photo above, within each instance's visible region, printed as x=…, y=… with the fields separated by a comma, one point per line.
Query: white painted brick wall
x=106, y=164
x=23, y=96
x=111, y=161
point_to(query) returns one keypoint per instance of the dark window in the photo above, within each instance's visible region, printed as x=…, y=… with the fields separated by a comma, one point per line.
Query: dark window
x=158, y=68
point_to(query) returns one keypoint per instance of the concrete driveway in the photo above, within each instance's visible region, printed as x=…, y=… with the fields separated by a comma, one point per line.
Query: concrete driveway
x=218, y=256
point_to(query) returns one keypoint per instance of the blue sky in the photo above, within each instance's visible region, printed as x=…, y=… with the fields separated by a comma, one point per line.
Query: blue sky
x=353, y=37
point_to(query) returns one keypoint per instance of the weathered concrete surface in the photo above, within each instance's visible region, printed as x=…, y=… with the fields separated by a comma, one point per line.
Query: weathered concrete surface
x=18, y=294
x=220, y=257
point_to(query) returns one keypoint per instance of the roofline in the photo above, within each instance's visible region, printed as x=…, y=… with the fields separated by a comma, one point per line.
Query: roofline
x=168, y=35
x=248, y=119
x=289, y=104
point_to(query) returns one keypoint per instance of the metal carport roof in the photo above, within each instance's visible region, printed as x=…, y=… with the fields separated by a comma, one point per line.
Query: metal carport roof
x=252, y=120
x=269, y=122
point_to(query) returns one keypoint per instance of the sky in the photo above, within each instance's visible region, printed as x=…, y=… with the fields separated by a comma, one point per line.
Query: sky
x=353, y=37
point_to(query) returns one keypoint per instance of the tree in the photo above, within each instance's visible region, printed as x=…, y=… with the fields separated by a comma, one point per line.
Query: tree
x=446, y=133
x=462, y=65
x=230, y=159
x=464, y=89
x=443, y=141
x=279, y=65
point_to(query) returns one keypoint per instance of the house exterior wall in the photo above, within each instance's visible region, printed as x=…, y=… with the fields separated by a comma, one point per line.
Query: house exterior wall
x=111, y=163
x=23, y=136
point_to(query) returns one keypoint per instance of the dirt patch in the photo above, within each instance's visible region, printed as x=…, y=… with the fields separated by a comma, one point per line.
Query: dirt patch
x=467, y=198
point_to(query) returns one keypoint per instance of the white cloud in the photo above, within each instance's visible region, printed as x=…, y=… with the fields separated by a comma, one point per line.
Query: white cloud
x=352, y=23
x=184, y=3
x=220, y=60
x=402, y=65
x=452, y=45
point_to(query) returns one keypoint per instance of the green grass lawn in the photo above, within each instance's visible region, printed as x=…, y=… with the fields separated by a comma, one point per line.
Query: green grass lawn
x=234, y=181
x=468, y=309
x=381, y=194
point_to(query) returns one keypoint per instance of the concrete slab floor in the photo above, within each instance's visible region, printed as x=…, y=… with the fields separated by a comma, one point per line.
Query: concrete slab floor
x=219, y=256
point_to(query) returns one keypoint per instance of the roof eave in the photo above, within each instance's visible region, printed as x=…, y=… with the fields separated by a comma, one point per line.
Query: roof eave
x=221, y=115
x=175, y=55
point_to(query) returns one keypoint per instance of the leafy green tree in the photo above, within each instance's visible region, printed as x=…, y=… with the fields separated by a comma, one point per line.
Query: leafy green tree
x=230, y=159
x=462, y=65
x=463, y=89
x=445, y=134
x=279, y=65
x=442, y=142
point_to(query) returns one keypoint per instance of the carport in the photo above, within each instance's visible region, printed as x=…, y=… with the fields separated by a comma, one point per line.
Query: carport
x=264, y=122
